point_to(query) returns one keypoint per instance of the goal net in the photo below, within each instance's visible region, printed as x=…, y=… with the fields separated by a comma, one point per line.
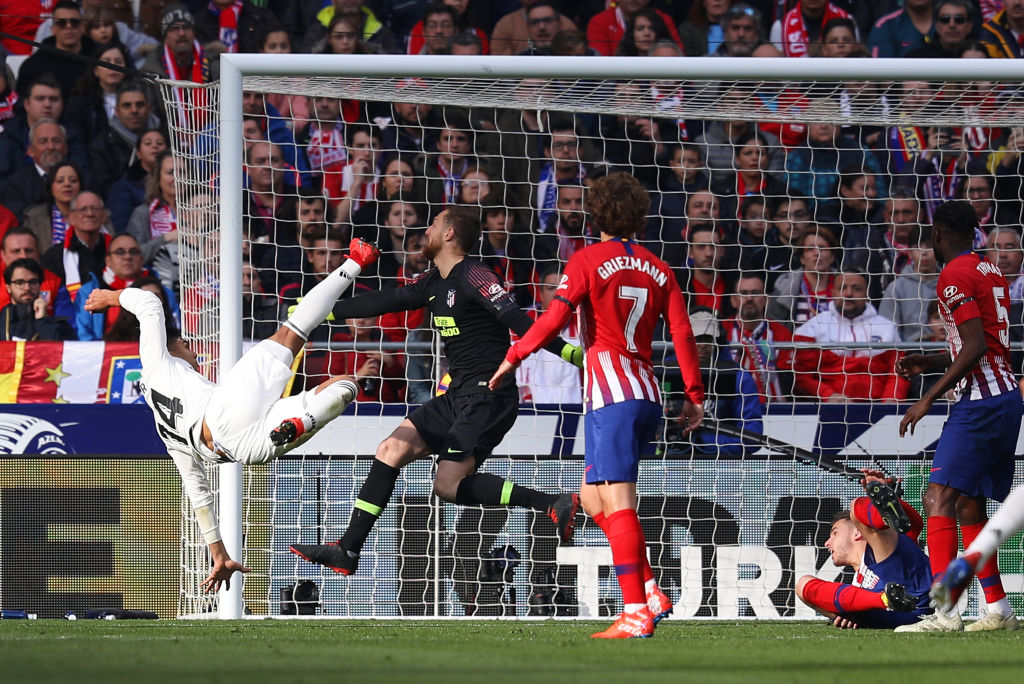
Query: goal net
x=783, y=192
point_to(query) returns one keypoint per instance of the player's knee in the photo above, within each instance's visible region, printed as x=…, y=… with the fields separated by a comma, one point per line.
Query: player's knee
x=969, y=511
x=940, y=500
x=390, y=451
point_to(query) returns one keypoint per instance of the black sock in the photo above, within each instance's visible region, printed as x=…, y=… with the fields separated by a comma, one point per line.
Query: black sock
x=373, y=497
x=491, y=490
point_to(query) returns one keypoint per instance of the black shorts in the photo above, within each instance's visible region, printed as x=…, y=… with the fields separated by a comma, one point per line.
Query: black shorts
x=456, y=426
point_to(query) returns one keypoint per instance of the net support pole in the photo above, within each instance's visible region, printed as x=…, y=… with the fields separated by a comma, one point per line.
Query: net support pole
x=229, y=606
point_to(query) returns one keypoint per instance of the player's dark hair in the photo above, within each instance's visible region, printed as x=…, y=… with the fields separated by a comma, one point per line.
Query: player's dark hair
x=30, y=264
x=957, y=218
x=618, y=204
x=465, y=221
x=18, y=230
x=842, y=514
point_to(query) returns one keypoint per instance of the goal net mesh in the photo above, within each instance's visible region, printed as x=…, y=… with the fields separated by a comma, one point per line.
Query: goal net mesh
x=763, y=193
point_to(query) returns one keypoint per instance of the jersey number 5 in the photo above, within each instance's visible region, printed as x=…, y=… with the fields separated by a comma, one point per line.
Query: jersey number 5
x=638, y=295
x=1002, y=316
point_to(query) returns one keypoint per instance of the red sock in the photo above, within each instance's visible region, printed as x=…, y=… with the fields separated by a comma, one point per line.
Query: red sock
x=834, y=597
x=942, y=542
x=624, y=536
x=646, y=571
x=988, y=576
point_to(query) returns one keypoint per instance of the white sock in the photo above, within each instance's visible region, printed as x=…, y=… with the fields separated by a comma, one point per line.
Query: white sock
x=952, y=612
x=324, y=406
x=1006, y=522
x=633, y=607
x=649, y=586
x=1002, y=607
x=314, y=306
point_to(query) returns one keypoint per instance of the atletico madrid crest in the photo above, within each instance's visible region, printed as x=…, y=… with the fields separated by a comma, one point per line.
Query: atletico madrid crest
x=450, y=299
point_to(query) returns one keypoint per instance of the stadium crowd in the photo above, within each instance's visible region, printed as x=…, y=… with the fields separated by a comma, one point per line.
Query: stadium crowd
x=779, y=232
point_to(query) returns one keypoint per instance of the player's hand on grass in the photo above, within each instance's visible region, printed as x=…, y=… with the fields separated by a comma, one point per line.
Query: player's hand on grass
x=691, y=417
x=912, y=364
x=223, y=569
x=844, y=623
x=499, y=375
x=101, y=300
x=914, y=414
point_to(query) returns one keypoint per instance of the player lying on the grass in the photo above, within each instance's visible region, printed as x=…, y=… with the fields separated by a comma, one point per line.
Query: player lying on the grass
x=974, y=459
x=620, y=290
x=1004, y=523
x=473, y=313
x=891, y=572
x=243, y=417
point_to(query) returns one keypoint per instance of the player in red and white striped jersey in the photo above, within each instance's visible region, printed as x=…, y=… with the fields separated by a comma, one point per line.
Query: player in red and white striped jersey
x=974, y=459
x=619, y=290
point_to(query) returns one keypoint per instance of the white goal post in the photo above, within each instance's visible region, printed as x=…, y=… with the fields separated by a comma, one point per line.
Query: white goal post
x=588, y=87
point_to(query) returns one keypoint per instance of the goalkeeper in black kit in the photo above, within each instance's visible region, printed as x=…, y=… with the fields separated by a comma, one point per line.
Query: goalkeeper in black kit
x=473, y=313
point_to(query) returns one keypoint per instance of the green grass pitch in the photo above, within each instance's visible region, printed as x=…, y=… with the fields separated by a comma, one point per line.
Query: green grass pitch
x=344, y=652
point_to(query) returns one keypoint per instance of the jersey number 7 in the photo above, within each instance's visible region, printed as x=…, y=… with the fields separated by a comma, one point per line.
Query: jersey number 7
x=638, y=295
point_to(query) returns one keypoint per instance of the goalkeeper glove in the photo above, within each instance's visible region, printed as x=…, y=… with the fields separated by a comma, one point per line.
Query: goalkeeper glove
x=573, y=354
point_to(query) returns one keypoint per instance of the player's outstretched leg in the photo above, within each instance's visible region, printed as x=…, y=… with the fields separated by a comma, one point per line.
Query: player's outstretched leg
x=321, y=406
x=486, y=489
x=314, y=307
x=888, y=504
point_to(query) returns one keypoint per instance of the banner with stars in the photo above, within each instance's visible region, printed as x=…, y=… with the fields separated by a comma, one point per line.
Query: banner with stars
x=69, y=372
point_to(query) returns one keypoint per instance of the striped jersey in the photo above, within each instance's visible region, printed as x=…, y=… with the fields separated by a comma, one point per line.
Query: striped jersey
x=970, y=286
x=619, y=290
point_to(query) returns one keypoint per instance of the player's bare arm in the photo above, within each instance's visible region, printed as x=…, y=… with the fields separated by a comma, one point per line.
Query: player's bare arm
x=101, y=300
x=973, y=335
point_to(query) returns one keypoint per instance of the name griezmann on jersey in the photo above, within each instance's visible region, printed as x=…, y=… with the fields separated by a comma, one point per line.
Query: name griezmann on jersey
x=633, y=263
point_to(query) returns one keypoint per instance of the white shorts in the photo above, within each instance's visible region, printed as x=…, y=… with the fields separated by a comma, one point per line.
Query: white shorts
x=247, y=405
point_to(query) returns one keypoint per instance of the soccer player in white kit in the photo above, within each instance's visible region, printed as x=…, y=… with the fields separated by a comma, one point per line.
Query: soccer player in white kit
x=243, y=418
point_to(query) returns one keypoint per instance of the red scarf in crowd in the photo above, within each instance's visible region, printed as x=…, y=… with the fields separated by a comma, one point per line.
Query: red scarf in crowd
x=191, y=103
x=7, y=105
x=794, y=31
x=754, y=351
x=162, y=219
x=228, y=23
x=72, y=278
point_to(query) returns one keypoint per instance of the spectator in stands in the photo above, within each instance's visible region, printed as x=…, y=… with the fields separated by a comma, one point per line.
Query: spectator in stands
x=790, y=217
x=440, y=22
x=742, y=32
x=902, y=31
x=752, y=156
x=939, y=169
x=634, y=143
x=122, y=267
x=17, y=243
x=399, y=180
x=381, y=374
x=606, y=29
x=703, y=283
x=181, y=57
x=686, y=174
x=274, y=40
x=129, y=191
x=462, y=27
x=544, y=378
x=954, y=24
x=701, y=33
x=1000, y=34
x=802, y=26
x=906, y=299
x=751, y=336
x=813, y=171
x=359, y=178
x=236, y=25
x=80, y=257
x=508, y=250
x=643, y=31
x=756, y=252
x=47, y=147
x=323, y=142
x=43, y=101
x=412, y=128
x=901, y=215
x=977, y=189
x=838, y=39
x=468, y=43
x=154, y=224
x=476, y=184
x=104, y=24
x=563, y=166
x=511, y=34
x=93, y=101
x=49, y=218
x=731, y=395
x=343, y=37
x=566, y=231
x=1004, y=250
x=542, y=21
x=26, y=317
x=719, y=142
x=375, y=34
x=270, y=182
x=8, y=92
x=444, y=170
x=841, y=375
x=858, y=227
x=400, y=219
x=571, y=43
x=259, y=309
x=806, y=292
x=69, y=37
x=113, y=150
x=1008, y=166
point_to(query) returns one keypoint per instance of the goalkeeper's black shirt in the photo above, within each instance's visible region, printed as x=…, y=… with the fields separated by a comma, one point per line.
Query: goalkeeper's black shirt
x=471, y=311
